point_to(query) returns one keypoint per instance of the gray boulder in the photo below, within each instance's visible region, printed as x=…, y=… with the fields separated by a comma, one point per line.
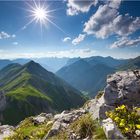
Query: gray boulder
x=5, y=131
x=62, y=121
x=122, y=88
x=111, y=130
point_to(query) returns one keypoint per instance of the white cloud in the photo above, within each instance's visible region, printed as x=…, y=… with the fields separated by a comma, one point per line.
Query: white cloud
x=4, y=35
x=15, y=43
x=100, y=24
x=114, y=3
x=125, y=42
x=107, y=21
x=78, y=39
x=77, y=6
x=125, y=25
x=67, y=53
x=66, y=39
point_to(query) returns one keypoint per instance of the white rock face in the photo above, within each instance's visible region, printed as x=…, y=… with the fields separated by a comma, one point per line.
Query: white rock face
x=5, y=131
x=62, y=121
x=39, y=119
x=98, y=108
x=111, y=130
x=42, y=118
x=123, y=88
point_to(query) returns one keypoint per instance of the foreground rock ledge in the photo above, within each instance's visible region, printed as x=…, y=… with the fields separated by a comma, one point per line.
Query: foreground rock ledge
x=122, y=88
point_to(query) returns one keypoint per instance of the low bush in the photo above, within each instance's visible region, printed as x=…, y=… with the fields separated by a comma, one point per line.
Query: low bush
x=127, y=120
x=30, y=131
x=83, y=127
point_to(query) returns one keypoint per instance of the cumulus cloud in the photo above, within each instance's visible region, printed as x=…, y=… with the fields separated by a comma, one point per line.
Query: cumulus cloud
x=67, y=53
x=125, y=25
x=107, y=21
x=125, y=42
x=78, y=39
x=100, y=24
x=4, y=35
x=77, y=6
x=66, y=39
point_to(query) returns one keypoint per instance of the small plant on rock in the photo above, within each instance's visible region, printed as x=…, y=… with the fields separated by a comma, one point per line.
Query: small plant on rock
x=127, y=120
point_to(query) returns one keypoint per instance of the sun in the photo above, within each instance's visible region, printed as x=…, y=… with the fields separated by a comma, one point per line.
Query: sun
x=40, y=14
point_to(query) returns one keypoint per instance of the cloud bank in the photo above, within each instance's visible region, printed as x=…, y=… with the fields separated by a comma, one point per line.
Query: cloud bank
x=125, y=42
x=67, y=53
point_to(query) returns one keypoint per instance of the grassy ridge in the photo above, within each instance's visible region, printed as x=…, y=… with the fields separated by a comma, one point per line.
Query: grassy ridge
x=30, y=90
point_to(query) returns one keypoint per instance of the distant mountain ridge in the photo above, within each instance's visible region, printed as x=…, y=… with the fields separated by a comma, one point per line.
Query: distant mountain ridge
x=30, y=89
x=54, y=64
x=131, y=64
x=51, y=64
x=88, y=74
x=110, y=61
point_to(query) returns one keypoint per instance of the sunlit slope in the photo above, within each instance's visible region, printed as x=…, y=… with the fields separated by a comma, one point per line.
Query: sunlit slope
x=30, y=89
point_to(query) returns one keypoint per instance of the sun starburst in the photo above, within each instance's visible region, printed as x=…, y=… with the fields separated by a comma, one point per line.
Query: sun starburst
x=40, y=13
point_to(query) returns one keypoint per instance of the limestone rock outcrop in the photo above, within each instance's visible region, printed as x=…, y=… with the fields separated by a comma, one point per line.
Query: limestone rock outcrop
x=62, y=121
x=122, y=88
x=5, y=131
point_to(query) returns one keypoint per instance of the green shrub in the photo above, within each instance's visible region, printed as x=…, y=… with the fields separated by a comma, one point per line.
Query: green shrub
x=127, y=120
x=84, y=127
x=28, y=130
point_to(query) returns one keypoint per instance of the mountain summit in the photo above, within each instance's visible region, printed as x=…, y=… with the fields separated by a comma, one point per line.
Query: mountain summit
x=30, y=89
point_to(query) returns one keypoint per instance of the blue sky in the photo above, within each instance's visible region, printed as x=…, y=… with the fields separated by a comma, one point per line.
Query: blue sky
x=79, y=28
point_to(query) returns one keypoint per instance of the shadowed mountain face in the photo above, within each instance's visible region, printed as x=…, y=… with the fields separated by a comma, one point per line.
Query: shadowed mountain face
x=4, y=63
x=86, y=77
x=30, y=89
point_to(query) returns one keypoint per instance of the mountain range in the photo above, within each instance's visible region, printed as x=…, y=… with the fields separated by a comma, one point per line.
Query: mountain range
x=51, y=63
x=89, y=74
x=30, y=89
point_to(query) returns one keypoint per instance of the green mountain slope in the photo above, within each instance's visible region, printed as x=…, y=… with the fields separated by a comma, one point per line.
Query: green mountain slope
x=30, y=89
